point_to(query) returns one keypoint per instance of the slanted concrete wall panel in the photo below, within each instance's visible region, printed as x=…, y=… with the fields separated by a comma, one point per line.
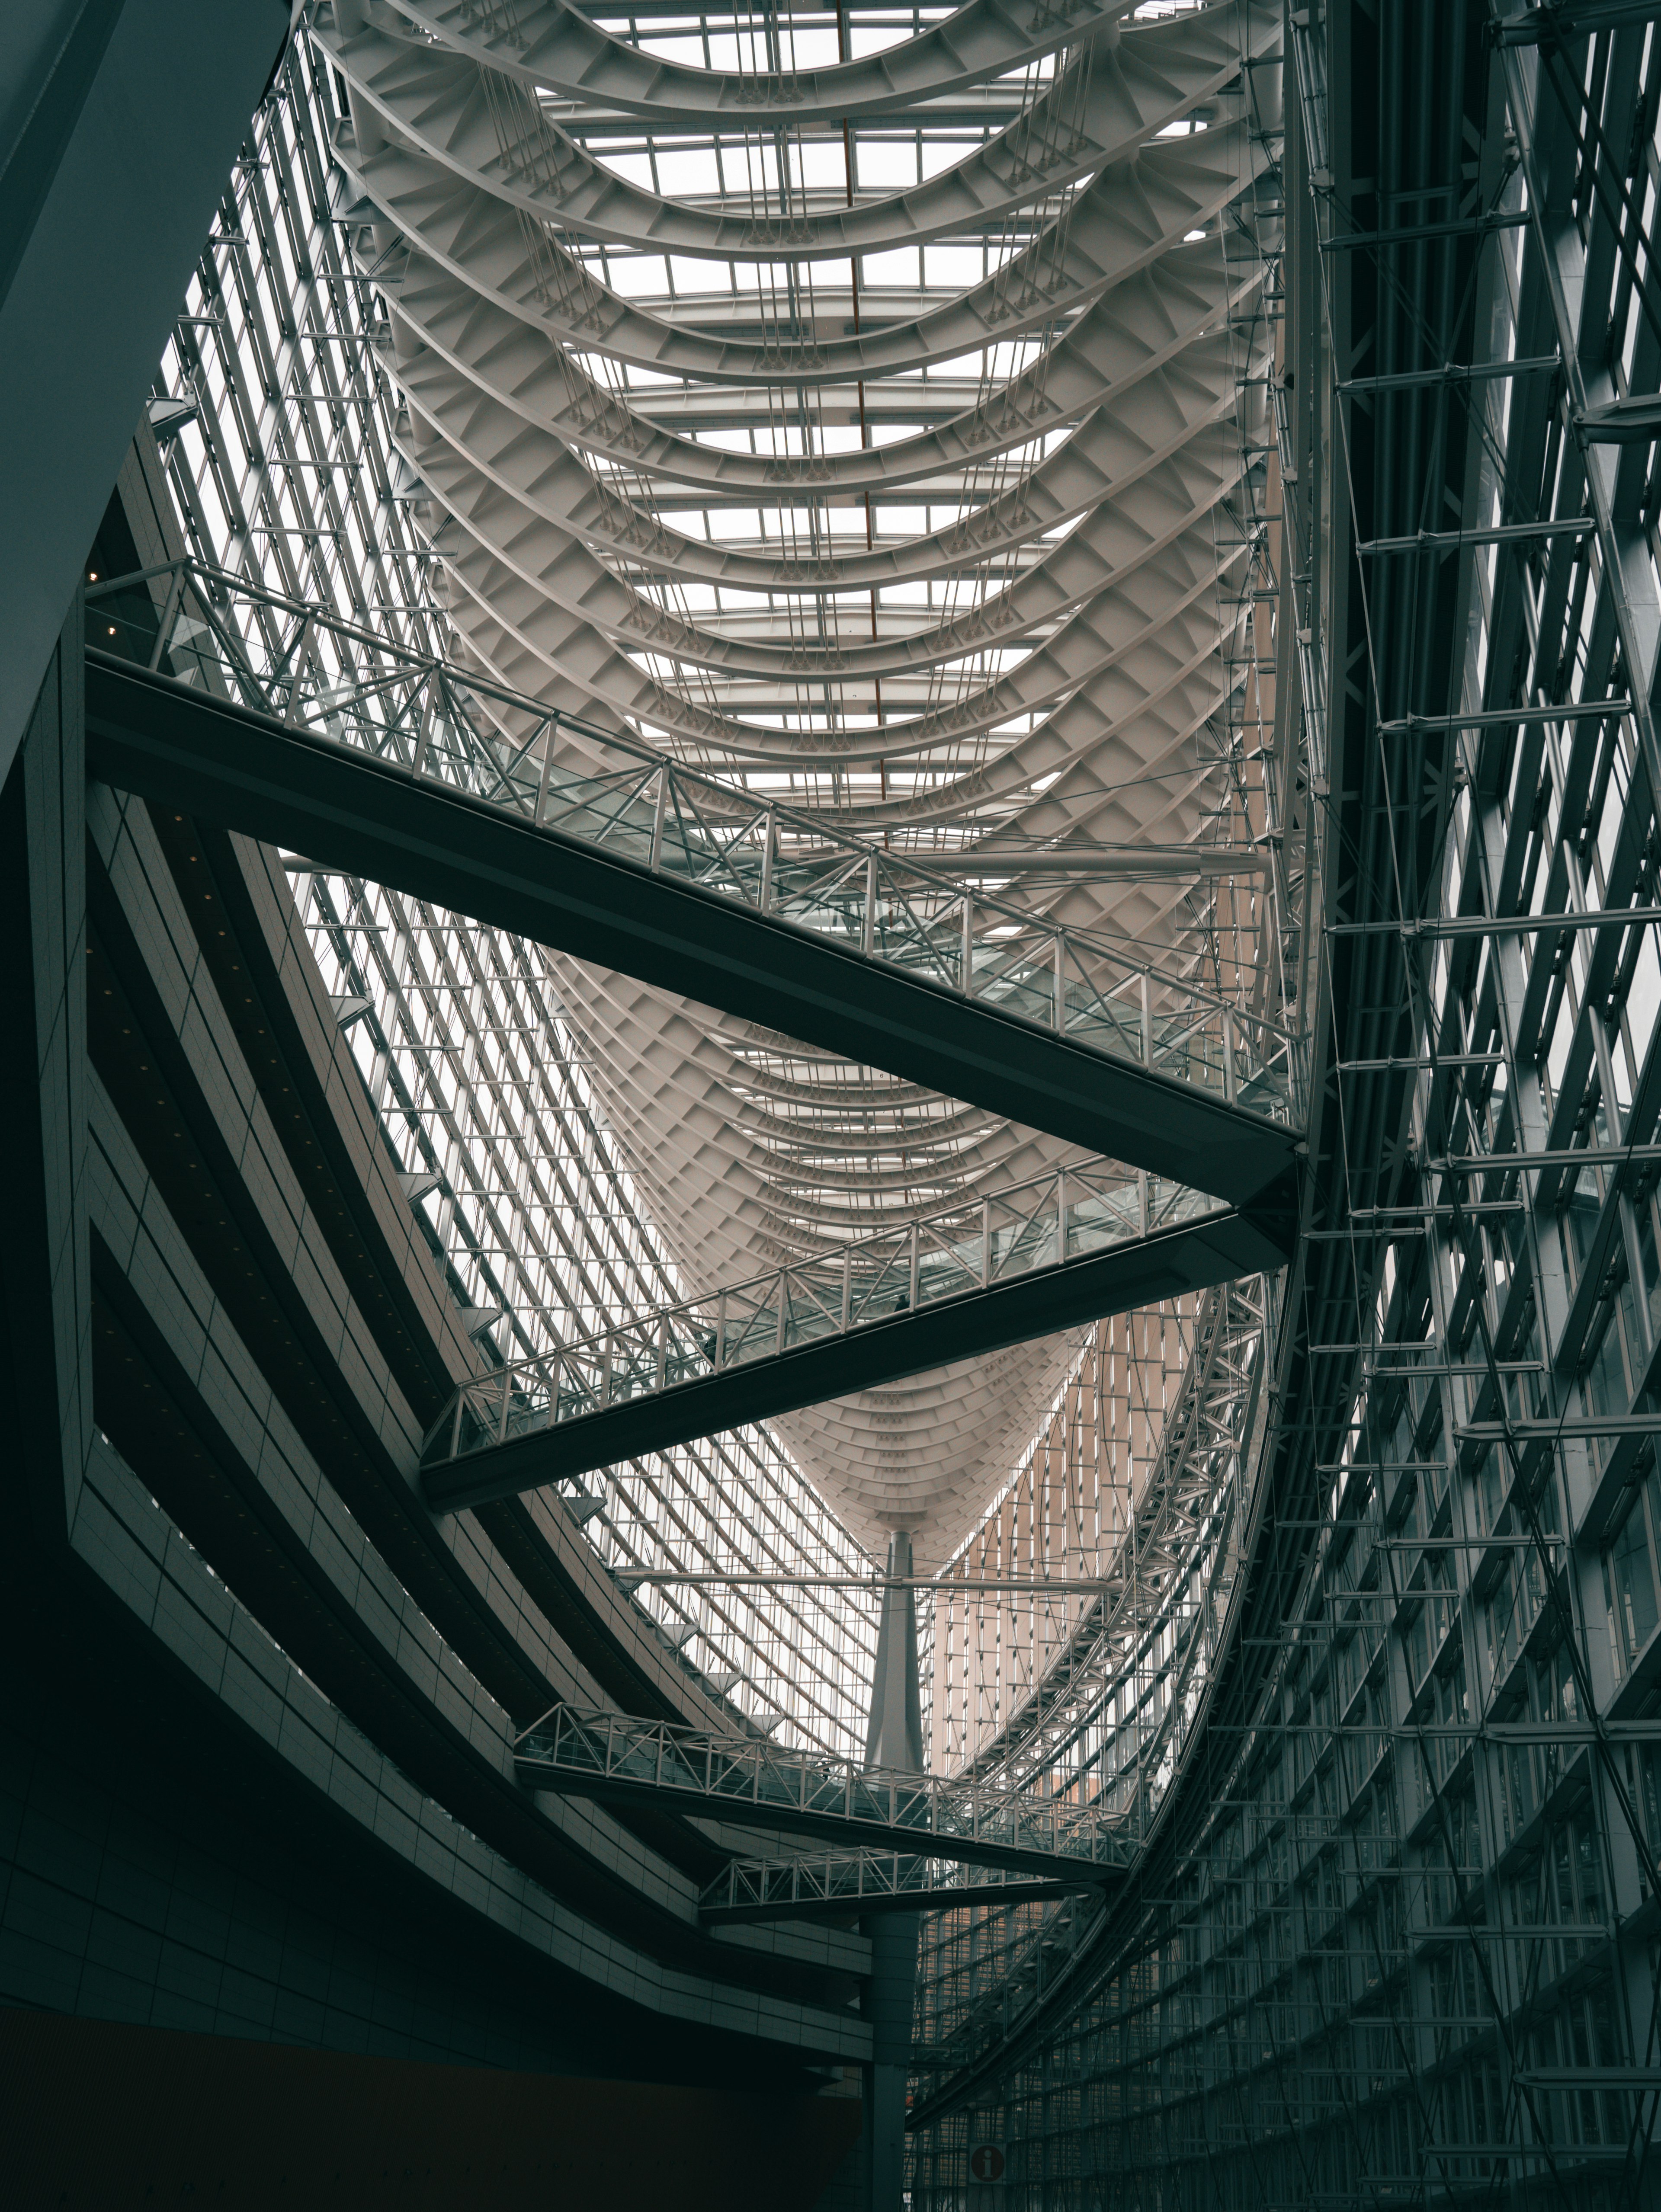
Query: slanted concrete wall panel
x=43, y=1025
x=103, y=214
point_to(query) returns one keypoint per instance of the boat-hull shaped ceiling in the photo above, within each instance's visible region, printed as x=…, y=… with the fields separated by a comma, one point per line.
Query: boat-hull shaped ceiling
x=880, y=429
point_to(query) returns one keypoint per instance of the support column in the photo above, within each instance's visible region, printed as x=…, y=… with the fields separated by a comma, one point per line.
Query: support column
x=893, y=1740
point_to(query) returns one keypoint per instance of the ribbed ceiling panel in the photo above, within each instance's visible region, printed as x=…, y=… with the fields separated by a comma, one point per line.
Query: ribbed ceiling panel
x=863, y=405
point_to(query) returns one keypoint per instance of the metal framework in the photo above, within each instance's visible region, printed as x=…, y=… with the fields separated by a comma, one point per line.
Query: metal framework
x=1398, y=1942
x=1071, y=1246
x=275, y=419
x=1102, y=1693
x=618, y=832
x=659, y=1766
x=1328, y=684
x=863, y=408
x=832, y=417
x=298, y=507
x=750, y=1890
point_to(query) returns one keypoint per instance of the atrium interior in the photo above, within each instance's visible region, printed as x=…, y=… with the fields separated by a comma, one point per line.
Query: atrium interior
x=831, y=1047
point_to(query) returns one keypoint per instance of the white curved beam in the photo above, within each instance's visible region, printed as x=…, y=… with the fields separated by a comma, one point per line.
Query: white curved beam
x=1129, y=646
x=1099, y=558
x=1155, y=76
x=555, y=46
x=517, y=310
x=1149, y=327
x=1171, y=469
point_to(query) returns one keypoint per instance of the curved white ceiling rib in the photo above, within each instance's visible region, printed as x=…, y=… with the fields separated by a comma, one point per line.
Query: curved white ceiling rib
x=556, y=46
x=1181, y=477
x=1107, y=359
x=1093, y=247
x=1134, y=212
x=1114, y=96
x=1113, y=581
x=1138, y=658
x=954, y=550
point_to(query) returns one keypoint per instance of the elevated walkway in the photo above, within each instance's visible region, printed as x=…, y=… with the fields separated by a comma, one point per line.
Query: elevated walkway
x=268, y=716
x=863, y=1882
x=746, y=1781
x=1067, y=1248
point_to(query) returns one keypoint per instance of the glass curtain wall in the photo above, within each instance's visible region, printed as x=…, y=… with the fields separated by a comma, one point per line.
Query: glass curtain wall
x=276, y=419
x=288, y=446
x=1407, y=1949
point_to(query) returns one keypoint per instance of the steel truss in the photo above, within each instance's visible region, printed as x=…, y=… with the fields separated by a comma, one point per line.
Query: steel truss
x=1067, y=1248
x=659, y=1766
x=843, y=1885
x=1187, y=1083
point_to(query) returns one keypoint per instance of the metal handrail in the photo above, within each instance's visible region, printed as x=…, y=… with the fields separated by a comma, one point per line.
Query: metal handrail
x=971, y=1246
x=859, y=1878
x=573, y=1745
x=459, y=729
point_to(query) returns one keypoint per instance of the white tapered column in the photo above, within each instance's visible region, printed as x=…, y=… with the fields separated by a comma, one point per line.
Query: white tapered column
x=894, y=1741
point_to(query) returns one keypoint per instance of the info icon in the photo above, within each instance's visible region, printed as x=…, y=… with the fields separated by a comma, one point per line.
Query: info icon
x=986, y=2161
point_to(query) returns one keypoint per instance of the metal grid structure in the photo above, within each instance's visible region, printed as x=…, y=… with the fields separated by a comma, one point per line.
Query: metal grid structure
x=1101, y=1711
x=1400, y=1944
x=276, y=419
x=1374, y=1679
x=276, y=416
x=1378, y=1665
x=1068, y=1510
x=869, y=416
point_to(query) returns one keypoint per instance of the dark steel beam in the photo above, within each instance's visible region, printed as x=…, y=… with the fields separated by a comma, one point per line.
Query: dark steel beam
x=228, y=764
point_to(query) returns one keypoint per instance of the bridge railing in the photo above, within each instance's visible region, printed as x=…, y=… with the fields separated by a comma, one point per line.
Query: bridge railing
x=722, y=1776
x=1067, y=1214
x=868, y=1880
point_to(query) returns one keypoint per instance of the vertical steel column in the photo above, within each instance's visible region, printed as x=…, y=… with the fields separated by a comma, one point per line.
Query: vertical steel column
x=893, y=1742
